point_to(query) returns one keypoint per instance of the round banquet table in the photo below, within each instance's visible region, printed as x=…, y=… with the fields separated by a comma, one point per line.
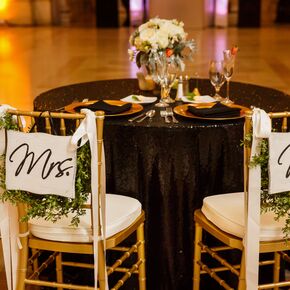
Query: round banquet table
x=169, y=168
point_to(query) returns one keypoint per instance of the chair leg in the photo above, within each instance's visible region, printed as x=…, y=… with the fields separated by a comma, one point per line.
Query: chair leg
x=141, y=256
x=101, y=266
x=59, y=274
x=276, y=269
x=242, y=276
x=197, y=256
x=22, y=267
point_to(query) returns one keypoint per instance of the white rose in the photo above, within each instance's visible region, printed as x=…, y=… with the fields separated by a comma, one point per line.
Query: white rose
x=173, y=30
x=161, y=38
x=156, y=21
x=143, y=26
x=147, y=34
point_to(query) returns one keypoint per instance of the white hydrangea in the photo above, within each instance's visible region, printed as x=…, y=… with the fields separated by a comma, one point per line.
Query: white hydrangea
x=147, y=34
x=161, y=38
x=173, y=30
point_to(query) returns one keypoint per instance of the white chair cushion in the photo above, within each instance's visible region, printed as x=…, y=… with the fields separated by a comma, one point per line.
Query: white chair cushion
x=226, y=211
x=121, y=212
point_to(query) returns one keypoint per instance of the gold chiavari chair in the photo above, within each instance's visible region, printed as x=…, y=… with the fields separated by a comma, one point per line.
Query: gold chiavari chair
x=124, y=218
x=223, y=217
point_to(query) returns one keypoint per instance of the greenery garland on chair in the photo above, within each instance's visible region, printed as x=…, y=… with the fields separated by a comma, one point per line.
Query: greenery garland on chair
x=51, y=207
x=279, y=203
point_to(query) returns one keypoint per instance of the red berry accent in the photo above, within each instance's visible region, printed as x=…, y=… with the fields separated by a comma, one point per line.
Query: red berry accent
x=169, y=52
x=234, y=50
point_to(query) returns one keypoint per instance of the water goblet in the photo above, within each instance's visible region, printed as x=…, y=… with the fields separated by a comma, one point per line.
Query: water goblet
x=228, y=67
x=216, y=77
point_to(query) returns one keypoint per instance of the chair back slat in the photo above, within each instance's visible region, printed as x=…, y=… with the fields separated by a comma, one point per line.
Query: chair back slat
x=62, y=127
x=284, y=125
x=20, y=124
x=33, y=124
x=247, y=149
x=47, y=125
x=77, y=123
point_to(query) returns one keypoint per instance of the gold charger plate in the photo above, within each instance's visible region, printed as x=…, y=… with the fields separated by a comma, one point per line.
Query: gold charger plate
x=134, y=109
x=182, y=111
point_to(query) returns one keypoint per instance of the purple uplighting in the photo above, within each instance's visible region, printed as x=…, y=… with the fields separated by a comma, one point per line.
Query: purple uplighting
x=221, y=13
x=136, y=5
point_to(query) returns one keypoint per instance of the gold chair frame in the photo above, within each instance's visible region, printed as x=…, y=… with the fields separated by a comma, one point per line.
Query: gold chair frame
x=231, y=242
x=38, y=245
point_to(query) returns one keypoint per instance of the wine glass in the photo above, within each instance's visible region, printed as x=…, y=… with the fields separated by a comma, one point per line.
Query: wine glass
x=217, y=78
x=228, y=67
x=164, y=73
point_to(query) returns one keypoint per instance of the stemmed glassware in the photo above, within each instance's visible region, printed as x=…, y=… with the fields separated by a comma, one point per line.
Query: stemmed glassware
x=216, y=77
x=164, y=73
x=228, y=67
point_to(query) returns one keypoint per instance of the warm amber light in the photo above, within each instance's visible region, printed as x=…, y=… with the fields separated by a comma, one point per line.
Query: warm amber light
x=3, y=4
x=5, y=46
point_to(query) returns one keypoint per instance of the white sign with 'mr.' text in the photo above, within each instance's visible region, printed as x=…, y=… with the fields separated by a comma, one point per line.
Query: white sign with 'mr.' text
x=279, y=162
x=40, y=163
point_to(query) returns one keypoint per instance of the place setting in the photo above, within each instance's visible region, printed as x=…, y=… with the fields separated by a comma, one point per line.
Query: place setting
x=211, y=111
x=128, y=105
x=216, y=107
x=112, y=108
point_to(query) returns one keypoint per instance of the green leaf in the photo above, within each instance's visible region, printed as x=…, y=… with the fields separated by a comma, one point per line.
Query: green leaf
x=135, y=98
x=190, y=96
x=141, y=58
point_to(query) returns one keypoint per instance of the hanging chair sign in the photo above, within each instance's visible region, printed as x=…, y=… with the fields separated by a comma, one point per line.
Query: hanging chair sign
x=40, y=163
x=2, y=141
x=279, y=162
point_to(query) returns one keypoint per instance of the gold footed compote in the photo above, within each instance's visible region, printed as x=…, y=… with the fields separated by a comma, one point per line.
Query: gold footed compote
x=165, y=74
x=166, y=85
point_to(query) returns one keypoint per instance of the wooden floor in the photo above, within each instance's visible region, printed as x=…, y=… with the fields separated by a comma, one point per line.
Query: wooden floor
x=33, y=60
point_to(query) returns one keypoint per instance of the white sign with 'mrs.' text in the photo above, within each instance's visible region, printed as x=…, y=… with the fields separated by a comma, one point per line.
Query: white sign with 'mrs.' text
x=279, y=162
x=40, y=163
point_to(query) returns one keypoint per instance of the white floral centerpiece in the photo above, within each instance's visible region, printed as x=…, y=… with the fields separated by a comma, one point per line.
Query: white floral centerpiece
x=160, y=35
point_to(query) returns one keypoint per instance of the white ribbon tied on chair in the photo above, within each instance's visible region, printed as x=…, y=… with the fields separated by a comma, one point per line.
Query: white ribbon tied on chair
x=261, y=129
x=87, y=132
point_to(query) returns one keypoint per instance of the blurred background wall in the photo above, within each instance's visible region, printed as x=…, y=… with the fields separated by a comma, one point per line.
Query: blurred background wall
x=116, y=13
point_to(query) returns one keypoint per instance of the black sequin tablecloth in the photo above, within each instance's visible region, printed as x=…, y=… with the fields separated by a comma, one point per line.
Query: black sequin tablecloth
x=170, y=168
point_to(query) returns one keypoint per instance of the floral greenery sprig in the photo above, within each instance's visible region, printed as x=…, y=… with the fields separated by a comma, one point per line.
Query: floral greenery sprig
x=278, y=203
x=6, y=122
x=51, y=207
